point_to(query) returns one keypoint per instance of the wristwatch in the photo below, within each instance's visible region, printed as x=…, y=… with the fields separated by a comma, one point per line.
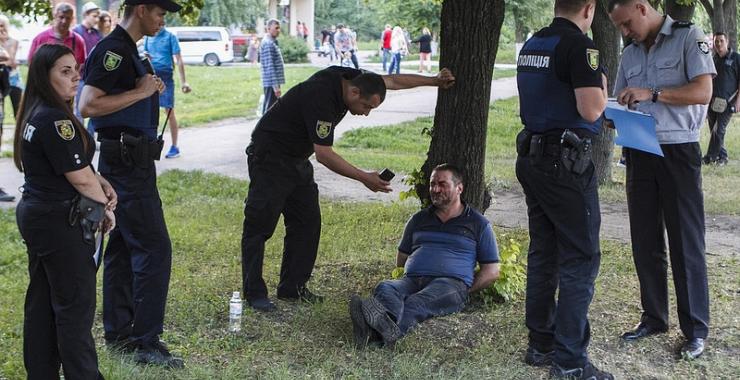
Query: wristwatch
x=656, y=93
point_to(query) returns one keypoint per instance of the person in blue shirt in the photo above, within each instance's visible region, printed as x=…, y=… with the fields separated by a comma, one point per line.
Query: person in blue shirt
x=161, y=49
x=439, y=251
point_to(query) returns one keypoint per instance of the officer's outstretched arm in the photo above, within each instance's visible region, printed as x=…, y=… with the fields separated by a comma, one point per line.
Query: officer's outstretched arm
x=590, y=102
x=444, y=79
x=95, y=102
x=329, y=158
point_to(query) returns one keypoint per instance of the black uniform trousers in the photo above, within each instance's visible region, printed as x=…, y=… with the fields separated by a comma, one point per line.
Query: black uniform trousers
x=564, y=254
x=60, y=301
x=280, y=185
x=666, y=191
x=138, y=257
x=718, y=125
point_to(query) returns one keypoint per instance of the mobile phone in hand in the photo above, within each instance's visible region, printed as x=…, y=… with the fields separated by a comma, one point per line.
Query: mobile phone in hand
x=386, y=175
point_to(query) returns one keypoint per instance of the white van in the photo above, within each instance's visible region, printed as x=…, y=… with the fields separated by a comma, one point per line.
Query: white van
x=204, y=44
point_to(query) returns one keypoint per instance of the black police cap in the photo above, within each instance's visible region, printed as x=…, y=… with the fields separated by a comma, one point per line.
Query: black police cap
x=169, y=6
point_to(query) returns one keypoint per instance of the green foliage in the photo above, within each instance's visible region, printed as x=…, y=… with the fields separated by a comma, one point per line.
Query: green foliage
x=413, y=179
x=411, y=15
x=397, y=273
x=33, y=9
x=512, y=272
x=232, y=12
x=294, y=49
x=361, y=15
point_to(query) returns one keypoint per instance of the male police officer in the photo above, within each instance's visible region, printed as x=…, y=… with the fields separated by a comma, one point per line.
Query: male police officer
x=667, y=72
x=562, y=96
x=121, y=98
x=281, y=177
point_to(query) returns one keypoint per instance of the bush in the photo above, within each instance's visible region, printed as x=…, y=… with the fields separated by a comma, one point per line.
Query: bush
x=294, y=49
x=512, y=274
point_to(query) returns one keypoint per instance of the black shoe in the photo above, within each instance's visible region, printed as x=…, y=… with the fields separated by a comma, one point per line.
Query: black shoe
x=5, y=197
x=158, y=354
x=262, y=304
x=706, y=160
x=588, y=372
x=641, y=330
x=121, y=346
x=692, y=349
x=360, y=328
x=537, y=358
x=302, y=294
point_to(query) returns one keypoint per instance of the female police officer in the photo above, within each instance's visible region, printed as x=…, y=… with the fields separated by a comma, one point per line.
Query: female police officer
x=55, y=151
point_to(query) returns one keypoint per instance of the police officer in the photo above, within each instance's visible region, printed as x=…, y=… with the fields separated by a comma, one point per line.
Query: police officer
x=673, y=83
x=302, y=123
x=562, y=93
x=121, y=98
x=55, y=152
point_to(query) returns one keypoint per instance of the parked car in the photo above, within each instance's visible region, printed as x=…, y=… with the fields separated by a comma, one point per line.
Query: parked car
x=204, y=44
x=240, y=43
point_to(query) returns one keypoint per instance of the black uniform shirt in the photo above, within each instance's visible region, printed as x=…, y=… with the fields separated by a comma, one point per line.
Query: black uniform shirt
x=572, y=60
x=307, y=114
x=52, y=146
x=110, y=66
x=728, y=74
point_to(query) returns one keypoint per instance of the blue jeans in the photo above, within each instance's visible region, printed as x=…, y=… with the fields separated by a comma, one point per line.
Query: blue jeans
x=386, y=55
x=395, y=63
x=412, y=300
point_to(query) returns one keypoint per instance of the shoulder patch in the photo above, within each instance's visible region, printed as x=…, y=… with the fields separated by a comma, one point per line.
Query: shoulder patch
x=111, y=61
x=681, y=24
x=592, y=57
x=323, y=128
x=65, y=129
x=703, y=46
x=28, y=132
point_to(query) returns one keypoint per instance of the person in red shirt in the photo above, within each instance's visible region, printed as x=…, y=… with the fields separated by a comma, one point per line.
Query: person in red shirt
x=385, y=46
x=61, y=33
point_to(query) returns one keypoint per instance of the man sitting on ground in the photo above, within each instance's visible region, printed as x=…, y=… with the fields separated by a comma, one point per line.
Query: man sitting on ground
x=439, y=250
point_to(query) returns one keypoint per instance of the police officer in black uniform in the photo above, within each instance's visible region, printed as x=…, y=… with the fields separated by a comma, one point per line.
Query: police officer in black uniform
x=121, y=98
x=562, y=93
x=55, y=152
x=300, y=124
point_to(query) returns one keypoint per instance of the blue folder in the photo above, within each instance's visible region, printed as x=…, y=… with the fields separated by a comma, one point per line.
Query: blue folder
x=634, y=129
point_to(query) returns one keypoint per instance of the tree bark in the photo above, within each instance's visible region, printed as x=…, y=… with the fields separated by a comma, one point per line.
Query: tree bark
x=723, y=17
x=606, y=38
x=679, y=12
x=461, y=116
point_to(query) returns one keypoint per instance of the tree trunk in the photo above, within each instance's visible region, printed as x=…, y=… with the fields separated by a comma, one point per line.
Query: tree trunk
x=729, y=8
x=606, y=38
x=461, y=116
x=519, y=33
x=679, y=12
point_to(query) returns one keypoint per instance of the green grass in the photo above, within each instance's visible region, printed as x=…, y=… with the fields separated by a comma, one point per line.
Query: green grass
x=403, y=147
x=204, y=214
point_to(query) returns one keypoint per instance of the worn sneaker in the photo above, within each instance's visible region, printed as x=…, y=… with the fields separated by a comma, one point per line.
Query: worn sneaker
x=622, y=162
x=537, y=358
x=377, y=318
x=722, y=161
x=588, y=372
x=158, y=354
x=360, y=328
x=302, y=294
x=173, y=153
x=5, y=197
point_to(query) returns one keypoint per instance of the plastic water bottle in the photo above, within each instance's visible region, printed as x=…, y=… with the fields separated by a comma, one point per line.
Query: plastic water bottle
x=235, y=312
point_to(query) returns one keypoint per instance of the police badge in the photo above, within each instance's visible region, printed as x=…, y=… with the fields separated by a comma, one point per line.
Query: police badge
x=111, y=61
x=65, y=129
x=323, y=129
x=592, y=57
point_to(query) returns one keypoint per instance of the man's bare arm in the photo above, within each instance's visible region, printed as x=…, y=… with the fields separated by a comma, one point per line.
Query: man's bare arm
x=444, y=79
x=487, y=274
x=95, y=102
x=401, y=259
